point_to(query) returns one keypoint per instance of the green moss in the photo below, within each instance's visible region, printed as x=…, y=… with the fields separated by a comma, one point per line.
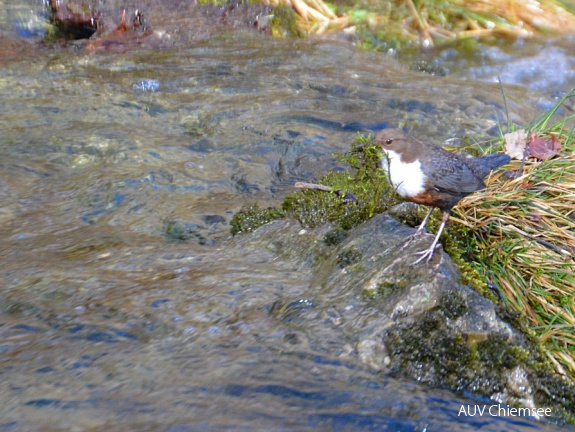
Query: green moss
x=252, y=217
x=284, y=22
x=364, y=179
x=349, y=257
x=313, y=208
x=454, y=305
x=184, y=231
x=426, y=351
x=387, y=39
x=428, y=68
x=465, y=250
x=499, y=353
x=335, y=237
x=385, y=288
x=429, y=351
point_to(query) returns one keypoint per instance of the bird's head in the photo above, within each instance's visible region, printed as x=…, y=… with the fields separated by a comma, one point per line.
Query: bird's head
x=398, y=145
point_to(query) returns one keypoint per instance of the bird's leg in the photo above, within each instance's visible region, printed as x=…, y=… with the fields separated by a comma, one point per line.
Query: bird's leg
x=425, y=219
x=428, y=253
x=419, y=230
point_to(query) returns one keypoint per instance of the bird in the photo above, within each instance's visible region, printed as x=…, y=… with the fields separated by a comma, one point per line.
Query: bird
x=427, y=174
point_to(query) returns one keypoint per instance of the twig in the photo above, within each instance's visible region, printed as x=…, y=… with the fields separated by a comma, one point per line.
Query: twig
x=347, y=196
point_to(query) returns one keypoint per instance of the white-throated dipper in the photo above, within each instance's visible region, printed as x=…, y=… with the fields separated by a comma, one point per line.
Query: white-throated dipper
x=426, y=174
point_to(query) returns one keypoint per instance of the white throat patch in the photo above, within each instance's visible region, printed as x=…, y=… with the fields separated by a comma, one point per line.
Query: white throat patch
x=406, y=178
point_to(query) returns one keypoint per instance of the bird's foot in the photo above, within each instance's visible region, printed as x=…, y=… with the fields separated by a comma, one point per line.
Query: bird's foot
x=426, y=254
x=420, y=230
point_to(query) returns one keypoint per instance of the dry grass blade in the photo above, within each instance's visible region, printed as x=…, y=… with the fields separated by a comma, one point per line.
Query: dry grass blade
x=482, y=18
x=526, y=229
x=315, y=16
x=435, y=21
x=421, y=22
x=528, y=14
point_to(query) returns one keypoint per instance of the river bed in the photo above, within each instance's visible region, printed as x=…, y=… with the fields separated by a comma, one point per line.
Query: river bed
x=106, y=322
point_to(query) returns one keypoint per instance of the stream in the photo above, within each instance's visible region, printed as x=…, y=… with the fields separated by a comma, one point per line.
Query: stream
x=108, y=323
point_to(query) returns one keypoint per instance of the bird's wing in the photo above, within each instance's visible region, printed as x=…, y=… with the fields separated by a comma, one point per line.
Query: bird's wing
x=451, y=175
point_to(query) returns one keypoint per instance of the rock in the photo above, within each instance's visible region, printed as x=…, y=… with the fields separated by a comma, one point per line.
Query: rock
x=412, y=321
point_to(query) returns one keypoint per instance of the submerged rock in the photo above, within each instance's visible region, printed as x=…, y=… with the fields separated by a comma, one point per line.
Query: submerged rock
x=369, y=304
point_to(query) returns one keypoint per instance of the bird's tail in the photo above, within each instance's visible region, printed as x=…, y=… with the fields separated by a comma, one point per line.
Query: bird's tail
x=482, y=165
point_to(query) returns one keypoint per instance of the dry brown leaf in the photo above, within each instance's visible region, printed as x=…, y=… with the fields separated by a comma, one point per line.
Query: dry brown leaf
x=543, y=147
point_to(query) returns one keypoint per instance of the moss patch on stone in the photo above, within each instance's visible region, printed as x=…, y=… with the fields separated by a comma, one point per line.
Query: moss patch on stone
x=252, y=217
x=284, y=22
x=349, y=257
x=364, y=179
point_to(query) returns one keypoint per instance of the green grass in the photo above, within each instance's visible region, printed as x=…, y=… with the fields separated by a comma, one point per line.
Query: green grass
x=526, y=229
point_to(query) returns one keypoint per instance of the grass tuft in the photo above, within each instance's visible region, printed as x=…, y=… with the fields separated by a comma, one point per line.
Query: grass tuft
x=395, y=23
x=524, y=228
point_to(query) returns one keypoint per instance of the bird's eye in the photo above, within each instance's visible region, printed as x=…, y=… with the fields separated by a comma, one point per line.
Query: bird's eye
x=389, y=141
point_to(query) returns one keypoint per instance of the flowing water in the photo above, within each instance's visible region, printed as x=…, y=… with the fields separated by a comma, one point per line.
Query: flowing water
x=107, y=323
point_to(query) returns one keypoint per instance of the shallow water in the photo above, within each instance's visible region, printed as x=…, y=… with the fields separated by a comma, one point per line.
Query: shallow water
x=108, y=324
